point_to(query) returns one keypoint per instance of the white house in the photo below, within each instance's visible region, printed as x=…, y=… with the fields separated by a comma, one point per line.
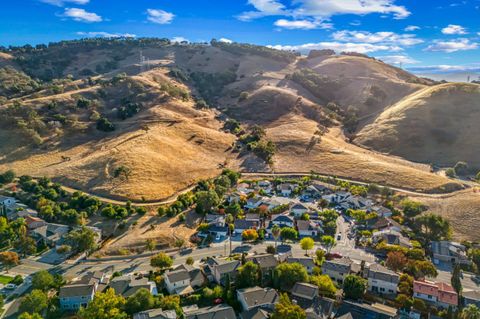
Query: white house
x=177, y=282
x=308, y=228
x=254, y=202
x=381, y=280
x=240, y=225
x=338, y=269
x=6, y=203
x=286, y=189
x=283, y=221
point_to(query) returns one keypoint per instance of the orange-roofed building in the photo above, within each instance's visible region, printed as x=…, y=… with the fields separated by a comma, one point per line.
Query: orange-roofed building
x=440, y=293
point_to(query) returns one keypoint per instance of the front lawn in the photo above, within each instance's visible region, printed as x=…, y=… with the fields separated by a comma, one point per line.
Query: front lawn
x=5, y=279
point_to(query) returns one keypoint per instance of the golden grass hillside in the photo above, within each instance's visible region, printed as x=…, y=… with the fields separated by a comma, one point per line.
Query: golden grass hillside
x=435, y=125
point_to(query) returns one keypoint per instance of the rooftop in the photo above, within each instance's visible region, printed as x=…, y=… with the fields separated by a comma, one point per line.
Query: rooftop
x=258, y=296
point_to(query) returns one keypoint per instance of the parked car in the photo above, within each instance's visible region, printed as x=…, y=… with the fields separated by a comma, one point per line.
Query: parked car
x=331, y=256
x=10, y=287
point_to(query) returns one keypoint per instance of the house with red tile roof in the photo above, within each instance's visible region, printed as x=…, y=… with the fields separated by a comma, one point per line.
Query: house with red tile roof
x=440, y=294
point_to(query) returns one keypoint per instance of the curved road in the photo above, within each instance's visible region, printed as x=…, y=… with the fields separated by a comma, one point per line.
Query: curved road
x=172, y=198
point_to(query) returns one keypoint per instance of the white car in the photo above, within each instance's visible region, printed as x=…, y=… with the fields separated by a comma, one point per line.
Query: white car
x=11, y=287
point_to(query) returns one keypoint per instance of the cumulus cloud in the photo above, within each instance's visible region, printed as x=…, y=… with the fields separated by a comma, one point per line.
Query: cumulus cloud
x=337, y=47
x=61, y=3
x=452, y=46
x=454, y=29
x=102, y=34
x=225, y=40
x=397, y=59
x=81, y=15
x=390, y=38
x=411, y=28
x=314, y=10
x=160, y=16
x=302, y=24
x=179, y=39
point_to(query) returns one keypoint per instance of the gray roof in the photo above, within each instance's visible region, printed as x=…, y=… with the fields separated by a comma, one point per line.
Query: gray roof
x=214, y=312
x=342, y=265
x=378, y=272
x=305, y=261
x=305, y=290
x=227, y=266
x=76, y=291
x=256, y=313
x=258, y=296
x=299, y=206
x=303, y=225
x=282, y=218
x=252, y=216
x=156, y=314
x=194, y=273
x=471, y=294
x=245, y=224
x=127, y=286
x=264, y=260
x=177, y=275
x=3, y=198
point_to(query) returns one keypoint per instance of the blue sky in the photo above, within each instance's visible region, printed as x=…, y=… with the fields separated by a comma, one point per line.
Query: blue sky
x=422, y=35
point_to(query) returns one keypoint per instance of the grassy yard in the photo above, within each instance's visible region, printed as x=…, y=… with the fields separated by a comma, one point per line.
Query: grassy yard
x=5, y=279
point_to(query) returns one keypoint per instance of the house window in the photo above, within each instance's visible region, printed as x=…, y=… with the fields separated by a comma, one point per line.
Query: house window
x=382, y=289
x=429, y=297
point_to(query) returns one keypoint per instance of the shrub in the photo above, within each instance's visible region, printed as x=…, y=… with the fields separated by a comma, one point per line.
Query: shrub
x=103, y=124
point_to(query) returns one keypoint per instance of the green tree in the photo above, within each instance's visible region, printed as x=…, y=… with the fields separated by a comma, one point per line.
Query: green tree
x=325, y=285
x=26, y=245
x=248, y=275
x=161, y=260
x=42, y=280
x=151, y=244
x=7, y=177
x=9, y=259
x=286, y=275
x=105, y=305
x=328, y=242
x=140, y=301
x=190, y=261
x=276, y=234
x=396, y=260
x=433, y=227
x=285, y=309
x=82, y=239
x=354, y=287
x=234, y=209
x=206, y=201
x=456, y=279
x=288, y=233
x=26, y=315
x=450, y=172
x=412, y=208
x=470, y=312
x=34, y=302
x=461, y=168
x=307, y=244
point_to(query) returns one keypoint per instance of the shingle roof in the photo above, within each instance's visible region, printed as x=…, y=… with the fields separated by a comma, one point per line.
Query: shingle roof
x=257, y=313
x=264, y=261
x=177, y=275
x=245, y=224
x=304, y=290
x=76, y=291
x=258, y=296
x=304, y=225
x=214, y=312
x=156, y=314
x=305, y=261
x=343, y=265
x=377, y=271
x=228, y=266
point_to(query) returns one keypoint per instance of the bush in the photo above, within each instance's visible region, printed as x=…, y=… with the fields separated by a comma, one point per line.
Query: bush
x=450, y=172
x=104, y=125
x=461, y=168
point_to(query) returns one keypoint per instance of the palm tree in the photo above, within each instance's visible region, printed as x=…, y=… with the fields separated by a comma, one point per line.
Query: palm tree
x=276, y=234
x=470, y=312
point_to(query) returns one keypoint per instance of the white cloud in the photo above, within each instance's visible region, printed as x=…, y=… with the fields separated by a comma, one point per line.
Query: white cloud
x=102, y=34
x=446, y=68
x=160, y=16
x=179, y=39
x=452, y=46
x=397, y=59
x=389, y=38
x=81, y=15
x=225, y=40
x=315, y=10
x=454, y=29
x=264, y=8
x=61, y=3
x=411, y=28
x=337, y=46
x=302, y=24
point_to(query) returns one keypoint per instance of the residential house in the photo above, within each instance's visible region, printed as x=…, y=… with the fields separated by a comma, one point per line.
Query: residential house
x=183, y=279
x=381, y=280
x=24, y=213
x=218, y=232
x=220, y=269
x=240, y=225
x=283, y=221
x=6, y=203
x=440, y=294
x=314, y=191
x=72, y=297
x=337, y=198
x=257, y=297
x=244, y=188
x=156, y=314
x=306, y=262
x=304, y=291
x=384, y=223
x=34, y=222
x=51, y=234
x=286, y=189
x=450, y=252
x=221, y=311
x=256, y=313
x=298, y=210
x=382, y=211
x=128, y=285
x=391, y=237
x=215, y=219
x=254, y=202
x=266, y=186
x=356, y=310
x=308, y=228
x=266, y=263
x=338, y=269
x=471, y=297
x=253, y=217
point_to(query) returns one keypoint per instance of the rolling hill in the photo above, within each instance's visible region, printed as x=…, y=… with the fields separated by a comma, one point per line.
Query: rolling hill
x=79, y=111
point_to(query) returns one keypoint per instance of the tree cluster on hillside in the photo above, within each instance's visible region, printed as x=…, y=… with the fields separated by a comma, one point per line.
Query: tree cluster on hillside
x=244, y=48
